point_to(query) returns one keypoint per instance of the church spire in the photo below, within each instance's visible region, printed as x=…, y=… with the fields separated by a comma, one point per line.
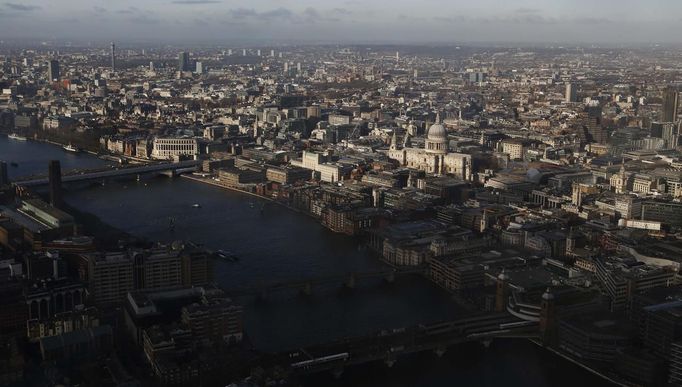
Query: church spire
x=394, y=140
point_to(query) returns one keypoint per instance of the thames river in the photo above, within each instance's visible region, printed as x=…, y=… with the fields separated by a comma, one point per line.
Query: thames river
x=278, y=245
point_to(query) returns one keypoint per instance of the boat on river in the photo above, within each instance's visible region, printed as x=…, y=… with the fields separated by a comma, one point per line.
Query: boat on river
x=226, y=256
x=71, y=148
x=15, y=136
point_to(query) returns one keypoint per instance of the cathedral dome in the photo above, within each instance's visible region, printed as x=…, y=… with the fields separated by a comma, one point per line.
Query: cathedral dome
x=437, y=138
x=437, y=132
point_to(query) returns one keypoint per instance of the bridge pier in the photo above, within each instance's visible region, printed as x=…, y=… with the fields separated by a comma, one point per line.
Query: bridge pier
x=350, y=281
x=440, y=351
x=307, y=289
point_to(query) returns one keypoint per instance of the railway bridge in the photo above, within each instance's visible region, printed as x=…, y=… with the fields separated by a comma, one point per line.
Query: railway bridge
x=389, y=345
x=169, y=169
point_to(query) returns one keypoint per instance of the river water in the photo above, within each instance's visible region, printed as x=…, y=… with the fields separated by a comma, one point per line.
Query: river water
x=279, y=245
x=32, y=158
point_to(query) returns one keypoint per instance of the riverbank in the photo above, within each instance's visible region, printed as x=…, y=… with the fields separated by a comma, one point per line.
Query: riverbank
x=98, y=154
x=89, y=151
x=212, y=182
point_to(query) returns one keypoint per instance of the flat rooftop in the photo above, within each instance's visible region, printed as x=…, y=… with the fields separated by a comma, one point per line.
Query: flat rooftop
x=23, y=220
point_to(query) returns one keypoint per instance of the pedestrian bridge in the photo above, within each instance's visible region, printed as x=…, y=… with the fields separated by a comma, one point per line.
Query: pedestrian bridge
x=306, y=286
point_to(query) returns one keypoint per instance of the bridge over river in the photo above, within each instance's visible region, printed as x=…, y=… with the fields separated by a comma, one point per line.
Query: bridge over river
x=389, y=345
x=306, y=286
x=113, y=173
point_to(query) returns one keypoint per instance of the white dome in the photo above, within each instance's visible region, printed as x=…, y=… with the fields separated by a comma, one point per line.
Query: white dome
x=437, y=139
x=437, y=132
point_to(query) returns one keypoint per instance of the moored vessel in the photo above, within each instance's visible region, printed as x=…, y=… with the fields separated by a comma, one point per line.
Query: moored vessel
x=71, y=148
x=15, y=136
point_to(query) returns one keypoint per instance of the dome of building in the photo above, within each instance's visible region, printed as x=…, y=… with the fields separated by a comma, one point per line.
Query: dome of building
x=437, y=138
x=437, y=132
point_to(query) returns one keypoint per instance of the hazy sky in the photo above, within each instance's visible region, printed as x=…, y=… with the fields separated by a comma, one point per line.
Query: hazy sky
x=456, y=21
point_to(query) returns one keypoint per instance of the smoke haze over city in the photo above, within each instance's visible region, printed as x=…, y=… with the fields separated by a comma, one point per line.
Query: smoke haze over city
x=397, y=21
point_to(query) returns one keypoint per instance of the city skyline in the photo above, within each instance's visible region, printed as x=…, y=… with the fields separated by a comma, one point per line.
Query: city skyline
x=267, y=21
x=301, y=194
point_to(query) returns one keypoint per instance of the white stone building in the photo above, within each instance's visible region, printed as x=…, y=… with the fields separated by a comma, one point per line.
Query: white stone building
x=169, y=148
x=435, y=158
